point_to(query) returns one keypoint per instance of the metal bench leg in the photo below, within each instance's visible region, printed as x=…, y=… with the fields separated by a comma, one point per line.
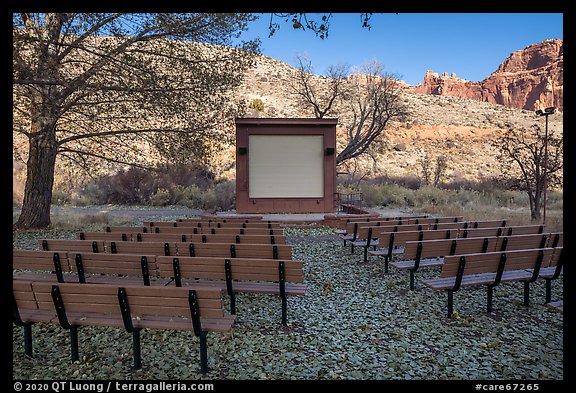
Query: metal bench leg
x=411, y=279
x=74, y=343
x=284, y=311
x=386, y=264
x=365, y=254
x=136, y=349
x=28, y=339
x=489, y=299
x=526, y=293
x=548, y=290
x=450, y=302
x=203, y=353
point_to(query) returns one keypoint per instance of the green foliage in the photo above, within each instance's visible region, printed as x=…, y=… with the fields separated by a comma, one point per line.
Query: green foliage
x=257, y=104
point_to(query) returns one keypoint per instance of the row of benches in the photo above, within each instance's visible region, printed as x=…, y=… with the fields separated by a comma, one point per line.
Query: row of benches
x=491, y=269
x=182, y=237
x=132, y=307
x=228, y=250
x=214, y=224
x=248, y=275
x=149, y=284
x=196, y=230
x=470, y=253
x=390, y=238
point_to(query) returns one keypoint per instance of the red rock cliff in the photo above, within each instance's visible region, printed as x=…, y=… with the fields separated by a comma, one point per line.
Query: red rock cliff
x=530, y=78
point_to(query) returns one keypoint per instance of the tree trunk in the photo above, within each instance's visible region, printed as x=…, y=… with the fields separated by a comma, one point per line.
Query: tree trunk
x=535, y=205
x=39, y=181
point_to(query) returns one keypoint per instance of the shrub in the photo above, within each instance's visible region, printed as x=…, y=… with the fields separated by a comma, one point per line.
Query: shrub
x=257, y=104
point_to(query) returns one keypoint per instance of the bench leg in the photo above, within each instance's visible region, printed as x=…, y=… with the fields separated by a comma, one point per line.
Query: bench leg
x=352, y=248
x=526, y=293
x=28, y=339
x=450, y=302
x=284, y=310
x=74, y=343
x=489, y=299
x=203, y=353
x=548, y=290
x=386, y=264
x=412, y=279
x=365, y=254
x=136, y=349
x=233, y=304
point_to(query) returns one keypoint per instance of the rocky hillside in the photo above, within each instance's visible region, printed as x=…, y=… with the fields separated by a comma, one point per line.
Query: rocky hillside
x=454, y=125
x=531, y=78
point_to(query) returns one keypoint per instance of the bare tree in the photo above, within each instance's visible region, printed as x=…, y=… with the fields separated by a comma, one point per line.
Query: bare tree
x=523, y=159
x=373, y=99
x=432, y=174
x=320, y=94
x=119, y=88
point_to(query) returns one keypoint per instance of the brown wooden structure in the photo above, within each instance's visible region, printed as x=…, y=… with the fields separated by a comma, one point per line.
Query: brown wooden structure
x=285, y=165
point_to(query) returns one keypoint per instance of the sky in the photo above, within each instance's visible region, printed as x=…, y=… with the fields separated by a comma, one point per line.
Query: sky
x=471, y=45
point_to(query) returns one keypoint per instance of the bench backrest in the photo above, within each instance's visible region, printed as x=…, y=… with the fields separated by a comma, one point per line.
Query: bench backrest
x=232, y=250
x=211, y=238
x=210, y=224
x=144, y=302
x=444, y=247
x=556, y=239
x=216, y=231
x=116, y=264
x=398, y=239
x=490, y=262
x=126, y=229
x=71, y=245
x=23, y=295
x=519, y=242
x=241, y=269
x=502, y=231
x=40, y=260
x=141, y=248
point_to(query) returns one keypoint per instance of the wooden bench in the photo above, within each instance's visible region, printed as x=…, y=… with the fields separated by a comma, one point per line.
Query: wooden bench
x=208, y=230
x=490, y=269
x=552, y=271
x=106, y=268
x=430, y=253
x=393, y=243
x=367, y=237
x=133, y=308
x=71, y=245
x=223, y=250
x=248, y=275
x=209, y=224
x=183, y=237
x=40, y=265
x=502, y=231
x=341, y=224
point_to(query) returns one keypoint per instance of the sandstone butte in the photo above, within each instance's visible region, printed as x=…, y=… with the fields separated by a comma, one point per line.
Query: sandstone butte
x=531, y=78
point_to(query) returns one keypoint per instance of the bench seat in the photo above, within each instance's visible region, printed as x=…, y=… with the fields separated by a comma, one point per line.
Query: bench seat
x=431, y=262
x=291, y=289
x=445, y=283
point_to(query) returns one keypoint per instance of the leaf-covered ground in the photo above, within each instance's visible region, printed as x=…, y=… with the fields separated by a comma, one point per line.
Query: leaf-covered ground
x=355, y=322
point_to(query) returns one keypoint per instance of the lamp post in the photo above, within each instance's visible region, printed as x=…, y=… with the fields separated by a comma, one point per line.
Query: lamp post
x=546, y=112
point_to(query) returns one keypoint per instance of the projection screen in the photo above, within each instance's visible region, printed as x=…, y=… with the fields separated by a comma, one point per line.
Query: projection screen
x=286, y=166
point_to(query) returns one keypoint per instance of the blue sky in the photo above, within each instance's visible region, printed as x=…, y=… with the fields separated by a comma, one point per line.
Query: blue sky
x=472, y=45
